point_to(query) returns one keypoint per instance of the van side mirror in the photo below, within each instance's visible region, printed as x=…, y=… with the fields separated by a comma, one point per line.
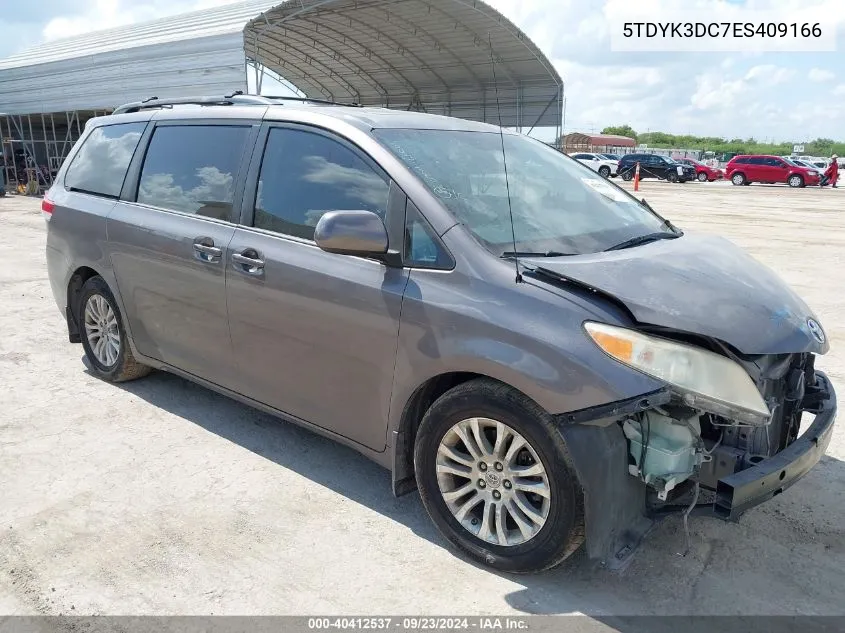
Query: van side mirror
x=351, y=233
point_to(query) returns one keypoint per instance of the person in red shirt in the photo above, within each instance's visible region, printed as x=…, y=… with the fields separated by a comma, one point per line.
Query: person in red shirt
x=832, y=172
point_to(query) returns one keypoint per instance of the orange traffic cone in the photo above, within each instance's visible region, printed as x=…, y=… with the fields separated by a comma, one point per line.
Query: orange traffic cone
x=637, y=178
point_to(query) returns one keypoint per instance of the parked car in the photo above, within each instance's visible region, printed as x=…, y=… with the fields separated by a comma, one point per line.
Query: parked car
x=704, y=173
x=799, y=161
x=654, y=166
x=743, y=170
x=605, y=167
x=546, y=358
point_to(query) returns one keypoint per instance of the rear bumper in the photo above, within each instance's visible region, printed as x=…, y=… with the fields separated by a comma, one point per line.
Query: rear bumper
x=748, y=488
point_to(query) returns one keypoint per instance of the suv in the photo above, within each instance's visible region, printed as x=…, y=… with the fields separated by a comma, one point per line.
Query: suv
x=743, y=170
x=528, y=346
x=654, y=166
x=605, y=167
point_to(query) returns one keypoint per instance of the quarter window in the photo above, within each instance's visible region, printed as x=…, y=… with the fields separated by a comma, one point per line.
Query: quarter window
x=421, y=248
x=304, y=175
x=101, y=163
x=193, y=168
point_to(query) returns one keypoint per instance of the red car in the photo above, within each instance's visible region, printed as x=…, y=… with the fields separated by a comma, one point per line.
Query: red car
x=703, y=173
x=743, y=170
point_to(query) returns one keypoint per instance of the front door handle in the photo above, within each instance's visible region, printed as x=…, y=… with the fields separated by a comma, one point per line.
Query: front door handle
x=249, y=261
x=206, y=251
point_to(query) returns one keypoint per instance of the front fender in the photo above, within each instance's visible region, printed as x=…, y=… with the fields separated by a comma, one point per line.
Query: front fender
x=521, y=335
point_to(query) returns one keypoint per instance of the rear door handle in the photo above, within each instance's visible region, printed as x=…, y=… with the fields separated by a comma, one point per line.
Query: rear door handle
x=206, y=251
x=249, y=261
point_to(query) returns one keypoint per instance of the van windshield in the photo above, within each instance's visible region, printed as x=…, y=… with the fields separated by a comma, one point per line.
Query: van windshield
x=558, y=204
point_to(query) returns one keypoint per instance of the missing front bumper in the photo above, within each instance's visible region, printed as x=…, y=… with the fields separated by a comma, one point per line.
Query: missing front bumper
x=742, y=491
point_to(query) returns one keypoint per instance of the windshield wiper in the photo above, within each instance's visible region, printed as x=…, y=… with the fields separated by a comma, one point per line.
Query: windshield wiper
x=507, y=254
x=644, y=239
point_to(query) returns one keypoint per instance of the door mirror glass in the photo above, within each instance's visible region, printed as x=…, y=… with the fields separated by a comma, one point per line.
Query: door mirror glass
x=351, y=233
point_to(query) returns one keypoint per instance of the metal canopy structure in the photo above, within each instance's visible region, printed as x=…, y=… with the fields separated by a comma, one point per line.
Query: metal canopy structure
x=440, y=56
x=452, y=57
x=578, y=142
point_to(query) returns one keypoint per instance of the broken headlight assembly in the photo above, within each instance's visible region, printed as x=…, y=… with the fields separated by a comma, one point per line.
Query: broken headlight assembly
x=702, y=379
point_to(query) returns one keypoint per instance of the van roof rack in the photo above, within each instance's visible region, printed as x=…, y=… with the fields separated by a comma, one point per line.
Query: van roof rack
x=236, y=98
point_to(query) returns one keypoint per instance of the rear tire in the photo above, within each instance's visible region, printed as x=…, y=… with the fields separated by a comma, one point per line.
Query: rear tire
x=104, y=335
x=702, y=177
x=487, y=521
x=672, y=177
x=739, y=179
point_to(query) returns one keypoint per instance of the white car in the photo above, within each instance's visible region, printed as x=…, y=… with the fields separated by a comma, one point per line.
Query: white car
x=604, y=166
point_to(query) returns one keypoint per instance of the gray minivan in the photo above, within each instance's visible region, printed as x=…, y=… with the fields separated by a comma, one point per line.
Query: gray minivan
x=545, y=358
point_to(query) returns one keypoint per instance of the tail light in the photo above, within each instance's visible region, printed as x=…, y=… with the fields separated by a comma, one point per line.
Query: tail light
x=47, y=207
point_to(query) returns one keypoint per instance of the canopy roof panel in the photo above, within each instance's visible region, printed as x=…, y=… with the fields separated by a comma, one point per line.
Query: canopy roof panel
x=431, y=55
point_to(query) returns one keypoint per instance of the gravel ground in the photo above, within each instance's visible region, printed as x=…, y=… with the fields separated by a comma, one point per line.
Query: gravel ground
x=160, y=497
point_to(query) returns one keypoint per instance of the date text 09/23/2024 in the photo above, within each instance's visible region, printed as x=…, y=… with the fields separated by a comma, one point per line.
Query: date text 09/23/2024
x=422, y=623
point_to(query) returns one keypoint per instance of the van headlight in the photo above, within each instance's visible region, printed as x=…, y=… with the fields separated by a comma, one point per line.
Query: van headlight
x=704, y=380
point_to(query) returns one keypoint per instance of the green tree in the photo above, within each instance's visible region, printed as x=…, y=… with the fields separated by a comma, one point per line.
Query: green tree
x=620, y=130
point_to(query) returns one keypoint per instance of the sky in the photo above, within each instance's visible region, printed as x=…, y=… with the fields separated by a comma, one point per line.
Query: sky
x=773, y=96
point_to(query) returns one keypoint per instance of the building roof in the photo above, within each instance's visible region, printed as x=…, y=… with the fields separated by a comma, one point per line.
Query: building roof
x=224, y=20
x=431, y=55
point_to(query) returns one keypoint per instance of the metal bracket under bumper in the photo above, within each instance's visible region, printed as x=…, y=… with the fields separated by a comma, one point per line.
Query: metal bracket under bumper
x=748, y=488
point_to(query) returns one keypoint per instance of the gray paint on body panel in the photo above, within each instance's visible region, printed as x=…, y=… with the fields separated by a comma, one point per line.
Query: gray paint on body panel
x=314, y=334
x=699, y=284
x=175, y=296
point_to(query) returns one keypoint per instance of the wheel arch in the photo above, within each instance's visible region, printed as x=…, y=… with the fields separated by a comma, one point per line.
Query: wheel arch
x=74, y=288
x=403, y=437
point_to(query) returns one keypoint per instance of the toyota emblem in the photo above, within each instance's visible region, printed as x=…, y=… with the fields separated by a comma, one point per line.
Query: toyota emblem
x=816, y=330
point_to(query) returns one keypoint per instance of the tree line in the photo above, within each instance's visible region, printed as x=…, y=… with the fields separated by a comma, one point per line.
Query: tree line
x=818, y=147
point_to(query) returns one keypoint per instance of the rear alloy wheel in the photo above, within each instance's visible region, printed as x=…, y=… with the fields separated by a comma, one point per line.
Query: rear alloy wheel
x=738, y=179
x=702, y=177
x=672, y=177
x=604, y=171
x=103, y=336
x=496, y=479
x=795, y=181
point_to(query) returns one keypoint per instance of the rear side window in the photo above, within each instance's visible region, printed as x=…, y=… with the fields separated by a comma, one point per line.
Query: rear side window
x=100, y=165
x=192, y=169
x=304, y=174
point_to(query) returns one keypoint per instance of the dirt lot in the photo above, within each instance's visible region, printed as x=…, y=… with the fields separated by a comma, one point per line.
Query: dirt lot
x=161, y=497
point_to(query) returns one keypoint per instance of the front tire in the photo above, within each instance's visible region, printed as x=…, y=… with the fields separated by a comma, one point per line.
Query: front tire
x=702, y=177
x=496, y=478
x=627, y=176
x=104, y=335
x=795, y=181
x=604, y=171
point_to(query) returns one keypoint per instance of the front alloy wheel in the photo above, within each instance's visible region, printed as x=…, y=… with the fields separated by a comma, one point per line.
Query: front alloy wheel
x=493, y=482
x=495, y=476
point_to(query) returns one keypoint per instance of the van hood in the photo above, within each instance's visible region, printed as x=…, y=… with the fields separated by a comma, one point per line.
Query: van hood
x=700, y=284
